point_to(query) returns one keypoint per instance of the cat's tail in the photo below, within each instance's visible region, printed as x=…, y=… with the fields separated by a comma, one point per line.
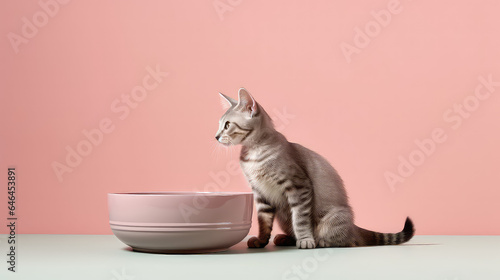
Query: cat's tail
x=372, y=238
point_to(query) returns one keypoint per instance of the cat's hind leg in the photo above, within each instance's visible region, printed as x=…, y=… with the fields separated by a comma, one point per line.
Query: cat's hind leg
x=284, y=240
x=336, y=229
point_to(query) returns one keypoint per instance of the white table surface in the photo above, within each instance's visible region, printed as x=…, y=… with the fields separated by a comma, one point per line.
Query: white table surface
x=92, y=257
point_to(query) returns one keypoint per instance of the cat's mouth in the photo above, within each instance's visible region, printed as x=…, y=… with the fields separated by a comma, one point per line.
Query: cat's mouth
x=225, y=141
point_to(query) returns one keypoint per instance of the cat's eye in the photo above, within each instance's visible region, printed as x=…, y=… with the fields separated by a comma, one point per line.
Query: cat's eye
x=226, y=126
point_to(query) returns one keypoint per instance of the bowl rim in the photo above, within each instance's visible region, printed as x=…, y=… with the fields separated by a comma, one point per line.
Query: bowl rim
x=179, y=193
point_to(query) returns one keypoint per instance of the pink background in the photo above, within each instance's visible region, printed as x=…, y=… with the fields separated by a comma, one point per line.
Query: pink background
x=361, y=115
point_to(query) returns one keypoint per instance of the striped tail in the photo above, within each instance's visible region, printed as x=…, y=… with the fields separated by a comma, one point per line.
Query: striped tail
x=372, y=238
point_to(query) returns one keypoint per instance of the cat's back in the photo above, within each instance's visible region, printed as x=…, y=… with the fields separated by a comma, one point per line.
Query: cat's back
x=311, y=159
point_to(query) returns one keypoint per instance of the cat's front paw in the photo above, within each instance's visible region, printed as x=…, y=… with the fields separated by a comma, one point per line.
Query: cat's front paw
x=254, y=242
x=306, y=243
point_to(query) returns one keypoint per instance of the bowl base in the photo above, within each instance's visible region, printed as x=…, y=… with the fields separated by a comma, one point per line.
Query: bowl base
x=163, y=251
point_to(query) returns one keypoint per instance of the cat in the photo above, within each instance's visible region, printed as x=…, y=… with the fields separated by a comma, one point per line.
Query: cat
x=293, y=184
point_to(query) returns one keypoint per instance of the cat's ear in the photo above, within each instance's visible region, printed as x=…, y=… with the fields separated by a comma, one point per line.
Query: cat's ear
x=226, y=101
x=246, y=102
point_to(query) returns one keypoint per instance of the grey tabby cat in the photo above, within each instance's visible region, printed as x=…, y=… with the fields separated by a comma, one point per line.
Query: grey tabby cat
x=293, y=184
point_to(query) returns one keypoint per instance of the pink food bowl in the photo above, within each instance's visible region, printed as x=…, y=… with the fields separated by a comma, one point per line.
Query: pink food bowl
x=180, y=222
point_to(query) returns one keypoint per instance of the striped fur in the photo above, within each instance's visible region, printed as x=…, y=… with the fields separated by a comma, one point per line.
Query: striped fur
x=293, y=185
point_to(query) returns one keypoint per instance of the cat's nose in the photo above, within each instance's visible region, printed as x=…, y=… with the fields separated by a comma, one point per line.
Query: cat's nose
x=217, y=138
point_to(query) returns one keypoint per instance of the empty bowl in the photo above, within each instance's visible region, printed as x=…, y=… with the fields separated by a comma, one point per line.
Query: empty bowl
x=180, y=222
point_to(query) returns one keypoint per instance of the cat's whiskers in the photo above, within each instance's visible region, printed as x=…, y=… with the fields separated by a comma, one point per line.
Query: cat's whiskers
x=226, y=149
x=215, y=150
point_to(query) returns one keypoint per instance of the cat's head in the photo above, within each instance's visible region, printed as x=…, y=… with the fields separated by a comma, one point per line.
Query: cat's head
x=244, y=122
